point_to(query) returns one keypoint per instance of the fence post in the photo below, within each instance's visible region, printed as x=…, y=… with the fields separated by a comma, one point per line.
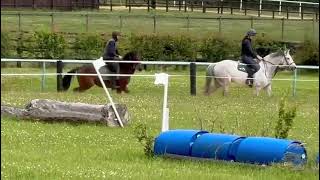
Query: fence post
x=301, y=11
x=191, y=5
x=251, y=22
x=287, y=12
x=204, y=8
x=219, y=24
x=43, y=77
x=294, y=82
x=167, y=5
x=59, y=76
x=120, y=23
x=19, y=50
x=245, y=8
x=87, y=22
x=129, y=6
x=179, y=5
x=188, y=22
x=282, y=29
x=52, y=23
x=221, y=11
x=185, y=6
x=313, y=28
x=110, y=5
x=272, y=14
x=193, y=83
x=148, y=5
x=19, y=22
x=154, y=24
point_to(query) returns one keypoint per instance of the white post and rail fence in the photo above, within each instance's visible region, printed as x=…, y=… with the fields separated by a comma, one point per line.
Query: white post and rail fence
x=193, y=70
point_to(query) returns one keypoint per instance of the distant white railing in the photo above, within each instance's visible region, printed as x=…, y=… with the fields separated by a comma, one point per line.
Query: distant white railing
x=44, y=74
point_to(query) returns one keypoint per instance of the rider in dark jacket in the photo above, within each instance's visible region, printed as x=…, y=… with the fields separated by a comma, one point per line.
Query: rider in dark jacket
x=248, y=55
x=111, y=53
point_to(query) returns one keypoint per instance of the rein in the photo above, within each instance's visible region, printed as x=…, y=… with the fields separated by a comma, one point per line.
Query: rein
x=277, y=68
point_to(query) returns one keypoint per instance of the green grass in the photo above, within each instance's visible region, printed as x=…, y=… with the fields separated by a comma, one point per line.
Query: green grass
x=140, y=21
x=38, y=150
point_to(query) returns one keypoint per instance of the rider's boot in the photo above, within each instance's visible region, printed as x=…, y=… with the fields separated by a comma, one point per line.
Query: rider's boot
x=249, y=81
x=114, y=84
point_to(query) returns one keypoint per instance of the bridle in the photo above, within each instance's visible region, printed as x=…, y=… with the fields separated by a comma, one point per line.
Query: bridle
x=277, y=65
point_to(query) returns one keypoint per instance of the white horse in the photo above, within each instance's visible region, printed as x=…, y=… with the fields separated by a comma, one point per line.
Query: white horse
x=227, y=71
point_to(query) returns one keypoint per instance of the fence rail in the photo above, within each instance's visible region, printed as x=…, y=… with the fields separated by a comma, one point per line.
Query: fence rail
x=192, y=66
x=88, y=61
x=156, y=23
x=187, y=5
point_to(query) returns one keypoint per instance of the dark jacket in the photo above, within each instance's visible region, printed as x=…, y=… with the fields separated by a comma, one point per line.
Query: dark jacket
x=111, y=50
x=246, y=48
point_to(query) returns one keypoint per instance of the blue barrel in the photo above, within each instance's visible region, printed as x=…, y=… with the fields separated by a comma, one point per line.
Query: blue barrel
x=264, y=150
x=176, y=142
x=216, y=146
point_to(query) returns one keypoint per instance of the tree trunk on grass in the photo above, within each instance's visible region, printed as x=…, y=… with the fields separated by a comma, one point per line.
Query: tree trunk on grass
x=49, y=110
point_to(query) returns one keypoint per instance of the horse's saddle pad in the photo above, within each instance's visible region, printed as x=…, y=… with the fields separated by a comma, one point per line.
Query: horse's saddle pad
x=242, y=67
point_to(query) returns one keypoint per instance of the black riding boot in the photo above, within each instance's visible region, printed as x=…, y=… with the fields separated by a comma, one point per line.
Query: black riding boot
x=249, y=81
x=115, y=84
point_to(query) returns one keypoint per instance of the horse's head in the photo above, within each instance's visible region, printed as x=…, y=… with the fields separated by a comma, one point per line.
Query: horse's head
x=288, y=60
x=129, y=68
x=282, y=57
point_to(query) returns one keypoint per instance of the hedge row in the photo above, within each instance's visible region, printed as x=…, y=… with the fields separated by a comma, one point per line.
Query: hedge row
x=151, y=47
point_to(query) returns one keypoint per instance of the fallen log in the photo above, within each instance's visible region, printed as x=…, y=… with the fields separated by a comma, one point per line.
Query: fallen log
x=49, y=110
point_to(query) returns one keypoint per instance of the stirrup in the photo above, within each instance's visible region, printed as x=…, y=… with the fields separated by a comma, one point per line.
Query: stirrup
x=249, y=82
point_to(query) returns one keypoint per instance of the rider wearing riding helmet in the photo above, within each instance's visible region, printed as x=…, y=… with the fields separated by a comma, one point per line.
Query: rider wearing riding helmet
x=111, y=53
x=248, y=55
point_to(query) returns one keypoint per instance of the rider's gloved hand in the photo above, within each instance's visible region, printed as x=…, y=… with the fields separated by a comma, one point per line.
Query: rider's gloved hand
x=120, y=57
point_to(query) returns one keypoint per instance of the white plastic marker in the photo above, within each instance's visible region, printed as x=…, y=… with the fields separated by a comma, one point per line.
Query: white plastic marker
x=163, y=78
x=97, y=65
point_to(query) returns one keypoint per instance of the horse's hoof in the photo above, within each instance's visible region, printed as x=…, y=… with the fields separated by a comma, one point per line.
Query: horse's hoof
x=126, y=91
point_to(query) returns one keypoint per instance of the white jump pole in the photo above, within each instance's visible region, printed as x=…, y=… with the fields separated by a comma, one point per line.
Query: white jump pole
x=97, y=64
x=162, y=79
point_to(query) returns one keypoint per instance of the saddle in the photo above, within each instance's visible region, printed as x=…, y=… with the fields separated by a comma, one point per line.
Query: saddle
x=106, y=70
x=244, y=68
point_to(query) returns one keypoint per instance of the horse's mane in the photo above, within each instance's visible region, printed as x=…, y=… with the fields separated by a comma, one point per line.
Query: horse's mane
x=130, y=56
x=276, y=54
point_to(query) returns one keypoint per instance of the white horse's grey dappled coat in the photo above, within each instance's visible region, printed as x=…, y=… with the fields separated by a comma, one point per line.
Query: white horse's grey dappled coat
x=222, y=73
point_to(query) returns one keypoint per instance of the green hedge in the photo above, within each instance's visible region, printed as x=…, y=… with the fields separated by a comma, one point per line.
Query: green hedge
x=48, y=45
x=152, y=47
x=88, y=46
x=5, y=45
x=308, y=54
x=164, y=47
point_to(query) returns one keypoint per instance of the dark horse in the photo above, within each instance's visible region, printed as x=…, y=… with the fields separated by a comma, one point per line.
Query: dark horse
x=86, y=82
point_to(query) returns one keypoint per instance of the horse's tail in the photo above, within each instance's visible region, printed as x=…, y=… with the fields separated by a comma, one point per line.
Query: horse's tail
x=209, y=78
x=66, y=80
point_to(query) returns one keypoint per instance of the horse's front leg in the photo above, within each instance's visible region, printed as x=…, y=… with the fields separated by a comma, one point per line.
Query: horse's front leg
x=258, y=89
x=269, y=90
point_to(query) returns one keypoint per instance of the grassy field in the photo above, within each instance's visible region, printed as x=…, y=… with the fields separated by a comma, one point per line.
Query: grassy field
x=140, y=21
x=38, y=150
